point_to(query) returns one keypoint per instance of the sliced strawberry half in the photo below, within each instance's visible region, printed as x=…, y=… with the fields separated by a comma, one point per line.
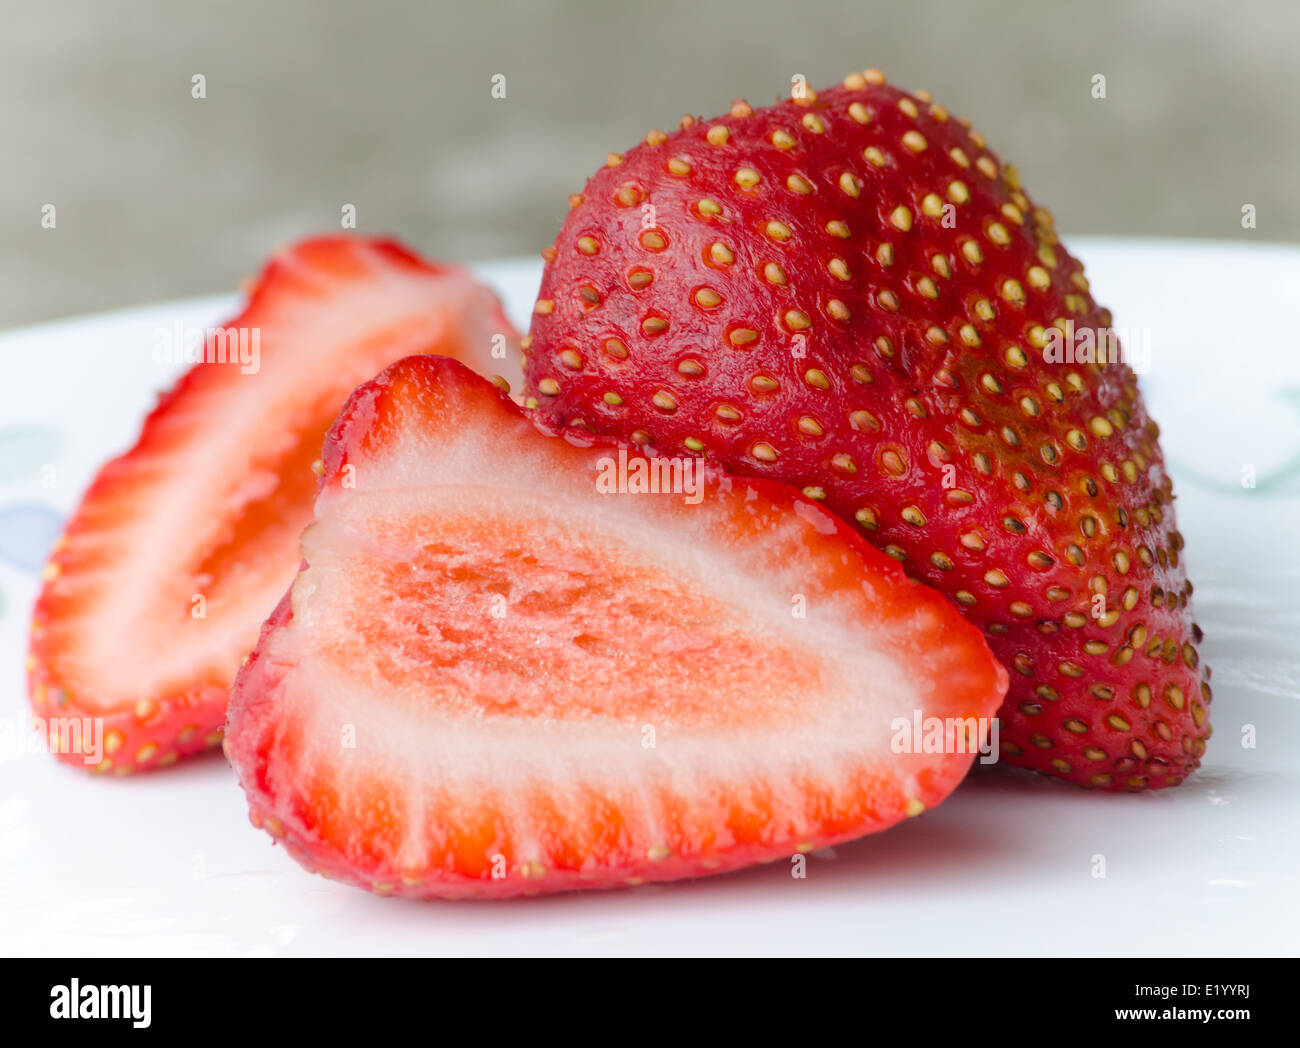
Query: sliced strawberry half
x=497, y=675
x=183, y=544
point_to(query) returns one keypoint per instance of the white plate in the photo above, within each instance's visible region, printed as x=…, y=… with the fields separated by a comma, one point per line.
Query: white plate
x=167, y=863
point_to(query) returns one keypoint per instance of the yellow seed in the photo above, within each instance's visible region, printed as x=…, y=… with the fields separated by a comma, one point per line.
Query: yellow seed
x=773, y=273
x=588, y=245
x=571, y=359
x=1012, y=291
x=708, y=207
x=958, y=157
x=997, y=233
x=867, y=518
x=777, y=230
x=987, y=167
x=901, y=218
x=850, y=184
x=813, y=123
x=721, y=254
x=679, y=166
x=859, y=112
x=855, y=82
x=873, y=156
x=932, y=205
x=839, y=229
x=873, y=76
x=747, y=178
x=545, y=307
x=915, y=141
x=797, y=320
x=837, y=309
x=782, y=140
x=742, y=336
x=707, y=298
x=1039, y=277
x=957, y=192
x=1101, y=426
x=971, y=252
x=654, y=325
x=655, y=138
x=809, y=425
x=548, y=387
x=838, y=268
x=664, y=401
x=908, y=107
x=764, y=452
x=798, y=184
x=613, y=399
x=717, y=135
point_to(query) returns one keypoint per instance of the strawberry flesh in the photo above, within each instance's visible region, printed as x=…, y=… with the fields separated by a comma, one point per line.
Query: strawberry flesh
x=492, y=678
x=184, y=543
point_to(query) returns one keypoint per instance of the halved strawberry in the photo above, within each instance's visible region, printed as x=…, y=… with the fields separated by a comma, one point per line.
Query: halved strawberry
x=183, y=544
x=494, y=675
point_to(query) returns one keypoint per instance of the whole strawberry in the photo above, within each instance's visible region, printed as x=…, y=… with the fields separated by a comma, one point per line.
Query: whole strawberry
x=849, y=292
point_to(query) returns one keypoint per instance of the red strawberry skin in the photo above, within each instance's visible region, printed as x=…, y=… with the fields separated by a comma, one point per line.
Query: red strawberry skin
x=213, y=495
x=496, y=757
x=851, y=293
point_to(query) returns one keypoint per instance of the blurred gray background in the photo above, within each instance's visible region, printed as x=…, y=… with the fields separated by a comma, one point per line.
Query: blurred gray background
x=387, y=106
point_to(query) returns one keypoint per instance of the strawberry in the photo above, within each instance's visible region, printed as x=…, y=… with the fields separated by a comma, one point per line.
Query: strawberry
x=849, y=292
x=495, y=676
x=183, y=544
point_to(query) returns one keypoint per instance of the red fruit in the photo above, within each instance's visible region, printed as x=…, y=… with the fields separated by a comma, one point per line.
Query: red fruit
x=490, y=678
x=849, y=292
x=210, y=501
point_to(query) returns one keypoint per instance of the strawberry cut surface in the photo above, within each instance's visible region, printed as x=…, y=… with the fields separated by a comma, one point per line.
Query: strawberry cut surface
x=493, y=676
x=851, y=293
x=183, y=544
